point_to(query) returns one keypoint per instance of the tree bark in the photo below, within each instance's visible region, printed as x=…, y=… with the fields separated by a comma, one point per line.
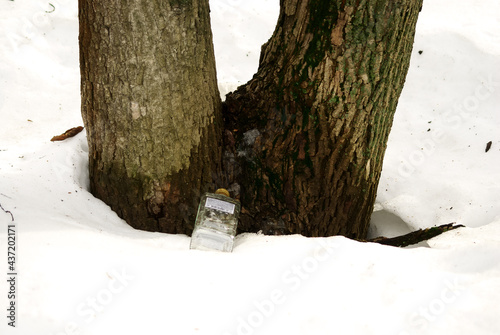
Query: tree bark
x=310, y=129
x=151, y=108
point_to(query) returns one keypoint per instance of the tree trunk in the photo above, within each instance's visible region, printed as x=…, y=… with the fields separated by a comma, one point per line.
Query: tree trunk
x=151, y=108
x=311, y=127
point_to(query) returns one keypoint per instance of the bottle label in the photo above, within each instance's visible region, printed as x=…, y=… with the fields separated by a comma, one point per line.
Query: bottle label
x=220, y=205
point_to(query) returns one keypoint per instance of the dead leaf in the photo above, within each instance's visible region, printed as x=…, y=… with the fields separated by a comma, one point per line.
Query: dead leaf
x=68, y=133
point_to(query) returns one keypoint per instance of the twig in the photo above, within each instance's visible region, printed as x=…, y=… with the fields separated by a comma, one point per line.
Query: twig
x=8, y=212
x=488, y=146
x=415, y=236
x=53, y=8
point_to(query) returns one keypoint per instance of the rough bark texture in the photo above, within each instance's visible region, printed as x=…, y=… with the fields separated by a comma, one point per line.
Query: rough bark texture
x=151, y=108
x=310, y=129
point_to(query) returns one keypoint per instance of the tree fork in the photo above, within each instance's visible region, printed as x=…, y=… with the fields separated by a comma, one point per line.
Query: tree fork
x=311, y=127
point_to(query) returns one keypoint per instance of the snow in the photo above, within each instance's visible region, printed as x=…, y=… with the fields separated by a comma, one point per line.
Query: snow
x=82, y=270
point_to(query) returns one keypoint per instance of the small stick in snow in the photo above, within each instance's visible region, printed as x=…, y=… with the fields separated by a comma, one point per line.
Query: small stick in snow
x=68, y=133
x=7, y=212
x=488, y=146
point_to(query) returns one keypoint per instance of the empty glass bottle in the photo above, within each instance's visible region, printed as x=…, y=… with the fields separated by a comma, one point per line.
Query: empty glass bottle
x=216, y=222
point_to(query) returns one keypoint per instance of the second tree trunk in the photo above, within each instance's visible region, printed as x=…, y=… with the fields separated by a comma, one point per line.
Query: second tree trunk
x=311, y=127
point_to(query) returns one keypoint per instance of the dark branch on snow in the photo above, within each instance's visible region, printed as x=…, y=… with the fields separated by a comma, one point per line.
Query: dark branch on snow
x=8, y=212
x=415, y=236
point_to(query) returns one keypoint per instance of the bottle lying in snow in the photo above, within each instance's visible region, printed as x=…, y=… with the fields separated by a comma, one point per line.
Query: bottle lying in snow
x=216, y=222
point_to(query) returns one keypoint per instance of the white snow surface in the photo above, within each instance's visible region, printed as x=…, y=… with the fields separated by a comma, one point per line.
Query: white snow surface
x=82, y=270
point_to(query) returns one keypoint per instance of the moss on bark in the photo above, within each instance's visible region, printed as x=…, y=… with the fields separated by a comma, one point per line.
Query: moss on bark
x=151, y=108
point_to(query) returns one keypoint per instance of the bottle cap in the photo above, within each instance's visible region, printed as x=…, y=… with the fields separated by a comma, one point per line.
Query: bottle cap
x=222, y=191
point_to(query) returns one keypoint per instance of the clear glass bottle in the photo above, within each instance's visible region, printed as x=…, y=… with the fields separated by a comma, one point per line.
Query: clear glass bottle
x=216, y=222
